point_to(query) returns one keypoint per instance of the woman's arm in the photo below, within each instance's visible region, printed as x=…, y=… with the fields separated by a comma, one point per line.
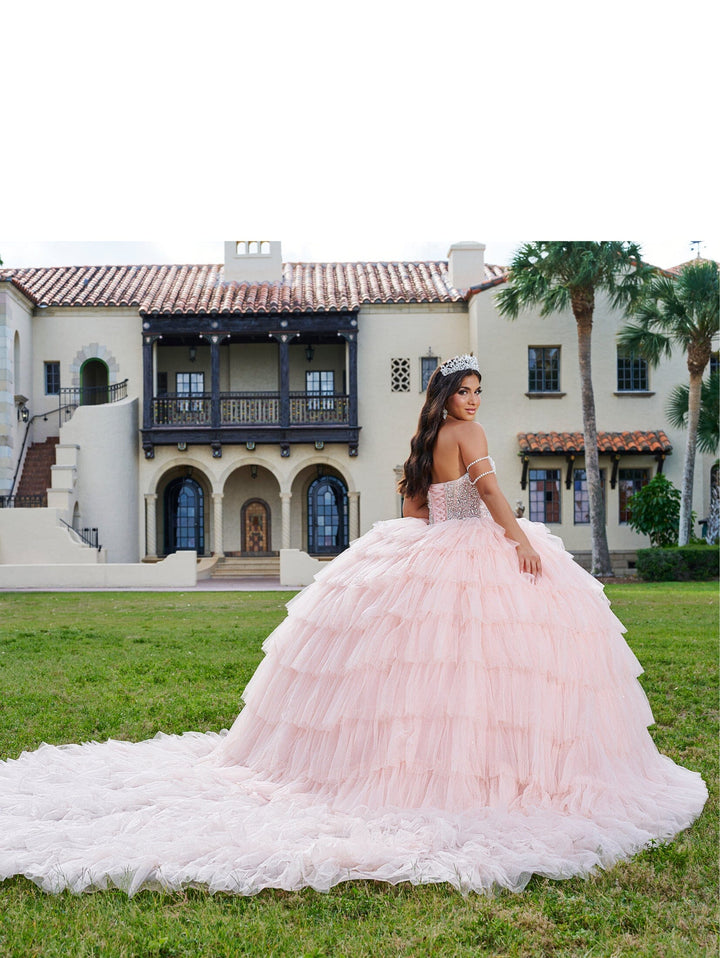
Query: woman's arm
x=473, y=445
x=415, y=508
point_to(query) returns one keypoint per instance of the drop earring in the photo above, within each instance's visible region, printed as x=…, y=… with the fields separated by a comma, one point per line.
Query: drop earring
x=444, y=413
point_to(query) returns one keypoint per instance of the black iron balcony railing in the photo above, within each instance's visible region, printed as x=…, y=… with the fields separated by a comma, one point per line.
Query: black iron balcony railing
x=23, y=502
x=92, y=395
x=250, y=409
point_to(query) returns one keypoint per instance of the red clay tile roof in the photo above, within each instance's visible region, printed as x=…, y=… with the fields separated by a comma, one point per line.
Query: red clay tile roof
x=305, y=287
x=676, y=270
x=574, y=442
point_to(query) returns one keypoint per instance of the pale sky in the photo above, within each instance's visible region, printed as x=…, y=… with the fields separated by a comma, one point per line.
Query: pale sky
x=377, y=131
x=32, y=253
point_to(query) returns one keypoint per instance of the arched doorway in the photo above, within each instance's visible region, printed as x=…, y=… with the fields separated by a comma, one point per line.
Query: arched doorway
x=93, y=383
x=327, y=512
x=255, y=527
x=184, y=516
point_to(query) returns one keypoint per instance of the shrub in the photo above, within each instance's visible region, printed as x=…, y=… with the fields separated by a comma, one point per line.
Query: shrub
x=678, y=564
x=655, y=511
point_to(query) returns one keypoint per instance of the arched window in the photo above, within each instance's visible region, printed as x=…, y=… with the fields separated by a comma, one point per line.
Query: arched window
x=327, y=510
x=184, y=516
x=93, y=383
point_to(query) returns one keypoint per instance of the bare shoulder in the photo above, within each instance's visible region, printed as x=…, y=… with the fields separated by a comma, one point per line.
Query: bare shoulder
x=473, y=430
x=470, y=433
x=472, y=440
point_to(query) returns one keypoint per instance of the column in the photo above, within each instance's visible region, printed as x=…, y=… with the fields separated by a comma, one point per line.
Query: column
x=284, y=380
x=350, y=338
x=150, y=525
x=215, y=381
x=285, y=498
x=354, y=515
x=148, y=380
x=352, y=378
x=217, y=498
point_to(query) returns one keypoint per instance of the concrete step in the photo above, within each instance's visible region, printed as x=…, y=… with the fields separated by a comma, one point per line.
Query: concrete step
x=36, y=476
x=237, y=567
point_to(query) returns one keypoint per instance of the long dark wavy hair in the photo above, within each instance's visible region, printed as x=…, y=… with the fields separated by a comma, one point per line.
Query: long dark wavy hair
x=418, y=468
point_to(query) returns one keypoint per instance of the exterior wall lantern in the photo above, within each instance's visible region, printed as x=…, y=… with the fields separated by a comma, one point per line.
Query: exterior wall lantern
x=192, y=354
x=309, y=352
x=319, y=444
x=253, y=471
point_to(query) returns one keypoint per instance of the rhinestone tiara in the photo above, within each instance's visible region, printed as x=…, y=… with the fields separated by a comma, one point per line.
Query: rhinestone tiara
x=458, y=363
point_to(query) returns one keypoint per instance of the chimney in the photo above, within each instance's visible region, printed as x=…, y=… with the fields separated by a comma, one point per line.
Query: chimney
x=466, y=264
x=253, y=261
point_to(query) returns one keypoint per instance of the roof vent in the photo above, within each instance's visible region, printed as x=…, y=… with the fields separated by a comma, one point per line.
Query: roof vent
x=253, y=261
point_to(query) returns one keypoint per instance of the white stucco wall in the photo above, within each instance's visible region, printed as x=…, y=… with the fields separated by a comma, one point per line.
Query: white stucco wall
x=177, y=571
x=389, y=419
x=502, y=346
x=35, y=536
x=16, y=341
x=107, y=474
x=69, y=336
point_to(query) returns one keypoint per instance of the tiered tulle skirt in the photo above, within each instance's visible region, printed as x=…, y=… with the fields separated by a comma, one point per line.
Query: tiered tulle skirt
x=424, y=713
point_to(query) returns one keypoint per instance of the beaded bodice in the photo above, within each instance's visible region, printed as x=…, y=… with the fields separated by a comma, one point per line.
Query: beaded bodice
x=458, y=499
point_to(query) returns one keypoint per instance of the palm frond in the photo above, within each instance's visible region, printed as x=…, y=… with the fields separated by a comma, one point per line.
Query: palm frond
x=642, y=340
x=676, y=409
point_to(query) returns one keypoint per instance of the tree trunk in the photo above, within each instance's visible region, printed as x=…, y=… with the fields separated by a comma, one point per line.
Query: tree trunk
x=713, y=524
x=601, y=564
x=686, y=492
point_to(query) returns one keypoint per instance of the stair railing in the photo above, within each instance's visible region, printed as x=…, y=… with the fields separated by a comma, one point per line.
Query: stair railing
x=88, y=535
x=40, y=415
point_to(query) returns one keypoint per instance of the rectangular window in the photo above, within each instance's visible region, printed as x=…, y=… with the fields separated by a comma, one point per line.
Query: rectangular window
x=52, y=379
x=632, y=373
x=189, y=384
x=630, y=481
x=320, y=382
x=581, y=498
x=428, y=365
x=543, y=369
x=545, y=495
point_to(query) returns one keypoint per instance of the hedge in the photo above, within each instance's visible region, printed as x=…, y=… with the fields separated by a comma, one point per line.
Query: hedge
x=678, y=564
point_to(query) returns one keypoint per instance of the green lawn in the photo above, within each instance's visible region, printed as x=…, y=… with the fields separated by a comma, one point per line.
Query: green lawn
x=95, y=665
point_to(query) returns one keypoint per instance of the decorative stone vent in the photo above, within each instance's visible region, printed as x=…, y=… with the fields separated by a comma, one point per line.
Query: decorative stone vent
x=400, y=375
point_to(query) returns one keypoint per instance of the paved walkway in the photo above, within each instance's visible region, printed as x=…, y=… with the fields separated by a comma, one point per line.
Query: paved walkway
x=243, y=584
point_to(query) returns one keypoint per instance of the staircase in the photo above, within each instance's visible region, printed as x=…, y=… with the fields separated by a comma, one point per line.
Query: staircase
x=36, y=476
x=237, y=567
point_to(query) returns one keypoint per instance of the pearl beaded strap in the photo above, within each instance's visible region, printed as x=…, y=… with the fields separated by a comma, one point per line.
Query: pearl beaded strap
x=482, y=474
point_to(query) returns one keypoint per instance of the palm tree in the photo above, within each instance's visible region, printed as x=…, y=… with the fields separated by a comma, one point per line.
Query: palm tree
x=708, y=433
x=708, y=437
x=684, y=311
x=555, y=276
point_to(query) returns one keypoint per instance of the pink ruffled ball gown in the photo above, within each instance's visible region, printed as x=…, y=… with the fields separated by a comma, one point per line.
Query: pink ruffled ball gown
x=425, y=713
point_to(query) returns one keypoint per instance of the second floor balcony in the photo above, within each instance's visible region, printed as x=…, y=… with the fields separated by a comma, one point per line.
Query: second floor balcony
x=205, y=381
x=250, y=409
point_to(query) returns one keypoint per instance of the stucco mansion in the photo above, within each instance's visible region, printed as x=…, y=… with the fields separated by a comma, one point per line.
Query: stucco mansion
x=258, y=409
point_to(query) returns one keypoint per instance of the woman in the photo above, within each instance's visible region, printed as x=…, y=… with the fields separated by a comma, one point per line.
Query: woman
x=451, y=700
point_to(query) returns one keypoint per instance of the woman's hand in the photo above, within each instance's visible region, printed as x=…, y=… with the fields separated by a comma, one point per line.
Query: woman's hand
x=529, y=559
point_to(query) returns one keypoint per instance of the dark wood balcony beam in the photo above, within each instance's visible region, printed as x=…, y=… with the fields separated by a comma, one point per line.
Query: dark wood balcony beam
x=254, y=325
x=239, y=435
